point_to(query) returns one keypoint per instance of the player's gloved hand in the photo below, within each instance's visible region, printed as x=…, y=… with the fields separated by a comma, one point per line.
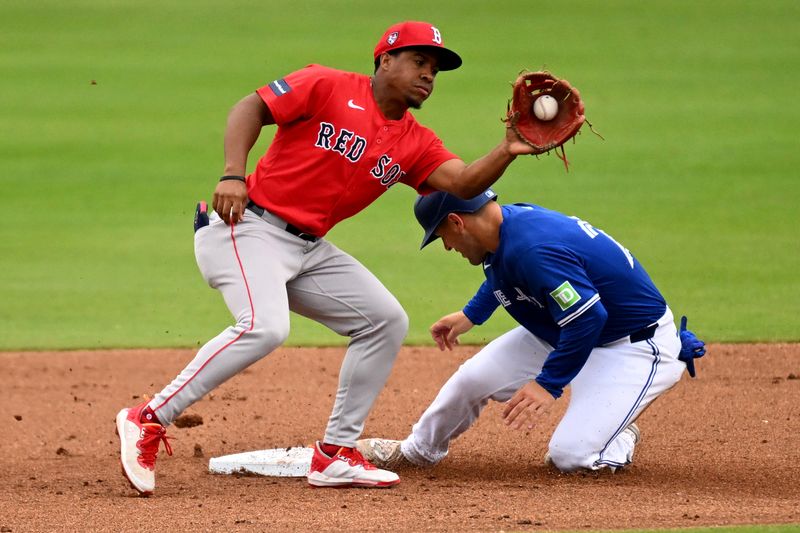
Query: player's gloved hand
x=513, y=143
x=691, y=347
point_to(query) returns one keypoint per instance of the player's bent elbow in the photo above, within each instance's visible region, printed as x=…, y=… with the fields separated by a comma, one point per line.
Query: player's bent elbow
x=597, y=314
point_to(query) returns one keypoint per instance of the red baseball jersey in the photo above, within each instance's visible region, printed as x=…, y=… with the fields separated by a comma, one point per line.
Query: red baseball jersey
x=334, y=152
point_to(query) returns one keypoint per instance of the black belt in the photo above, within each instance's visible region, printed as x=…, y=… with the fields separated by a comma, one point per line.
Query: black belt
x=291, y=228
x=644, y=333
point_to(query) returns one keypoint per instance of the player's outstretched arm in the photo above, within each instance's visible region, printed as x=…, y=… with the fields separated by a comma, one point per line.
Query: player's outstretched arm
x=446, y=330
x=468, y=180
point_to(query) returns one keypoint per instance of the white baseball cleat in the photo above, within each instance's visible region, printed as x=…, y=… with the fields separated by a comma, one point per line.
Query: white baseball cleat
x=633, y=431
x=384, y=453
x=347, y=468
x=139, y=442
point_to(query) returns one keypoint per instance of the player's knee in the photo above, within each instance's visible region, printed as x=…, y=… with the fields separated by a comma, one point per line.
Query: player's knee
x=398, y=325
x=265, y=340
x=385, y=323
x=569, y=456
x=392, y=318
x=566, y=461
x=394, y=314
x=400, y=320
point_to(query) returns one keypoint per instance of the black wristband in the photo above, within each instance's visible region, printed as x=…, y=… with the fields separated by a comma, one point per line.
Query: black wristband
x=239, y=178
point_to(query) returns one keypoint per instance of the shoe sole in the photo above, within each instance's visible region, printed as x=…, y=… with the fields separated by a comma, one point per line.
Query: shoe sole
x=321, y=481
x=117, y=429
x=143, y=494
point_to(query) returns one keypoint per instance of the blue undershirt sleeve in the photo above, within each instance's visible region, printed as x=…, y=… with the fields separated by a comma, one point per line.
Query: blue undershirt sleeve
x=482, y=305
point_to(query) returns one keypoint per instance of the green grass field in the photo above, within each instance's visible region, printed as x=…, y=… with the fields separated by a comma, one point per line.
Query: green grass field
x=787, y=528
x=112, y=116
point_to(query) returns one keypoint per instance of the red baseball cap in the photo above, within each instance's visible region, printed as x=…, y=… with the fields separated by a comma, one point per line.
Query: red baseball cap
x=414, y=34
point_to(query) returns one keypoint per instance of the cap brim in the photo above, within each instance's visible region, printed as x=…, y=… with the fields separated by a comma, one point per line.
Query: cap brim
x=447, y=59
x=428, y=238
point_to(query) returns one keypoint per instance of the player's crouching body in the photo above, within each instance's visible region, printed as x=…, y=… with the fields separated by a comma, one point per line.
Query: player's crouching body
x=590, y=317
x=586, y=437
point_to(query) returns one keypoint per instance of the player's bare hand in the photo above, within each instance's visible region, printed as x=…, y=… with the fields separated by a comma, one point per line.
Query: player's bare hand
x=527, y=406
x=446, y=330
x=230, y=200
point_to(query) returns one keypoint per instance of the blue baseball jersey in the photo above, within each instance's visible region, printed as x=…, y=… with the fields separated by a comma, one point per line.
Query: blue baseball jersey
x=566, y=282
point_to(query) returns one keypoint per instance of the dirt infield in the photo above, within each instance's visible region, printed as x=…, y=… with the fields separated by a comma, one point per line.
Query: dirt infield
x=720, y=449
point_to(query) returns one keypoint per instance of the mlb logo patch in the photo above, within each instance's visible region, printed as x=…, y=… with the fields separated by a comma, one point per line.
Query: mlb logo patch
x=280, y=87
x=392, y=38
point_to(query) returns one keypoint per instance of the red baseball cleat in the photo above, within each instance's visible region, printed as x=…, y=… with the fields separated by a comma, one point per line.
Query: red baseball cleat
x=347, y=468
x=139, y=442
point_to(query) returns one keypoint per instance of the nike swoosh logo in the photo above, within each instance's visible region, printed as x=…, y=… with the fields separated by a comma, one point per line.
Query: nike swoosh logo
x=353, y=105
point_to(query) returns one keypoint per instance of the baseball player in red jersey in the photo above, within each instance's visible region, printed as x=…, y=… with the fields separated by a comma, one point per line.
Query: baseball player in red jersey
x=343, y=139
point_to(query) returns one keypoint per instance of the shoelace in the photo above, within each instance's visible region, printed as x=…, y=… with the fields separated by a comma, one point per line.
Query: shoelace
x=354, y=458
x=148, y=445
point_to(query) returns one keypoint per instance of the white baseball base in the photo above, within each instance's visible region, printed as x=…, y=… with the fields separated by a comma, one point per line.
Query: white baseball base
x=277, y=462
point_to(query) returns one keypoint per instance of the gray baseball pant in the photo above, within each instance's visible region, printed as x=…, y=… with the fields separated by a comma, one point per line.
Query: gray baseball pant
x=263, y=272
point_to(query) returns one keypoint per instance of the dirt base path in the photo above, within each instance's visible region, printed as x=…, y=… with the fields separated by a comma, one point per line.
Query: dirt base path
x=720, y=449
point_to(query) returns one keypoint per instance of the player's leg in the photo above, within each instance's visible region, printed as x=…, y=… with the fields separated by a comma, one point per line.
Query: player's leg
x=249, y=264
x=337, y=291
x=615, y=385
x=496, y=373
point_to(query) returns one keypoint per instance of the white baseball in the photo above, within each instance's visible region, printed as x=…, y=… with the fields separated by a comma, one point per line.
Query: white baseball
x=545, y=107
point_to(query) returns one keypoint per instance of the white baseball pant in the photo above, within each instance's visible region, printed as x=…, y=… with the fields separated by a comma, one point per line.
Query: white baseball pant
x=617, y=383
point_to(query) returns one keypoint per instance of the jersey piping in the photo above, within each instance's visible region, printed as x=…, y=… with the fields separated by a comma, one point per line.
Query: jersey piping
x=567, y=319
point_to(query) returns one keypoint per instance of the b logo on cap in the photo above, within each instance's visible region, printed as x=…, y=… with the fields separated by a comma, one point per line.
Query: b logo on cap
x=392, y=38
x=437, y=35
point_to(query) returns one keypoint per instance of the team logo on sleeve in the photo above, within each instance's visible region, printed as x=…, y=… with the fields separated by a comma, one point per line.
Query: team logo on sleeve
x=565, y=296
x=280, y=87
x=505, y=302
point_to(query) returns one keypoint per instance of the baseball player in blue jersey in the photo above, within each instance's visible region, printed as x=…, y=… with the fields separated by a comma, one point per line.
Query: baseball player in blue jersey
x=590, y=317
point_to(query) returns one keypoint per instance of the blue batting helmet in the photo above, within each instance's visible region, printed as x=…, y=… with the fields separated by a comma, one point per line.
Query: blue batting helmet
x=433, y=208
